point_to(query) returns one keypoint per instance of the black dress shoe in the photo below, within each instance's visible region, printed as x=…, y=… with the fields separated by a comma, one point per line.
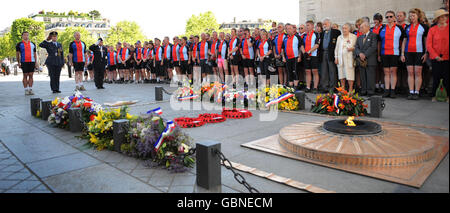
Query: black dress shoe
x=102, y=88
x=363, y=94
x=392, y=94
x=57, y=91
x=386, y=93
x=410, y=96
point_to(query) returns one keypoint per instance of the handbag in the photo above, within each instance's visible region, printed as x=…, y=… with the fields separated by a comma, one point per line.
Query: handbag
x=441, y=93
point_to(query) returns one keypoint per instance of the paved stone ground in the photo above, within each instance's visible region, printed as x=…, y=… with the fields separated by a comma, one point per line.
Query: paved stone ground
x=61, y=163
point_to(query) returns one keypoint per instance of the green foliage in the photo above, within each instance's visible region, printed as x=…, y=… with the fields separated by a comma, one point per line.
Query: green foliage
x=7, y=48
x=95, y=14
x=204, y=22
x=125, y=31
x=66, y=37
x=34, y=28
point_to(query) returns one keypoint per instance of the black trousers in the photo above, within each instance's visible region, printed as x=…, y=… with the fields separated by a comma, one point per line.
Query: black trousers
x=264, y=66
x=440, y=71
x=368, y=79
x=54, y=72
x=99, y=75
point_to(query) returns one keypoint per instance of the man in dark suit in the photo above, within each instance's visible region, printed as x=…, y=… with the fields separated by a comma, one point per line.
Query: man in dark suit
x=329, y=37
x=100, y=55
x=366, y=57
x=55, y=59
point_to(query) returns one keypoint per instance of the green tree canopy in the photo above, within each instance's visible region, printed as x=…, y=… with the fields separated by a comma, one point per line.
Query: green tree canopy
x=95, y=13
x=66, y=37
x=204, y=22
x=7, y=48
x=125, y=31
x=34, y=28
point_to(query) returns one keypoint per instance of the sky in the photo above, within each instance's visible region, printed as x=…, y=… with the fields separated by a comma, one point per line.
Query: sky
x=158, y=18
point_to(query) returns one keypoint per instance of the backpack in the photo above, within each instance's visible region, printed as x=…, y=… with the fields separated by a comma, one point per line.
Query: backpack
x=441, y=93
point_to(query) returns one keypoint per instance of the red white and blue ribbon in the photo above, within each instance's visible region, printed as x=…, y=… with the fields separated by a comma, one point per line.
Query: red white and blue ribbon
x=169, y=129
x=336, y=102
x=280, y=99
x=156, y=111
x=188, y=97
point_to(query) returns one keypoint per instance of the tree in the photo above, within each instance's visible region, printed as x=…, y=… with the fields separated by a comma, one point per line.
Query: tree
x=66, y=37
x=125, y=31
x=7, y=48
x=71, y=13
x=95, y=14
x=204, y=22
x=34, y=28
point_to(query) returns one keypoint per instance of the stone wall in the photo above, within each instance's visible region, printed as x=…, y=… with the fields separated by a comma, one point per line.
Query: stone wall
x=342, y=11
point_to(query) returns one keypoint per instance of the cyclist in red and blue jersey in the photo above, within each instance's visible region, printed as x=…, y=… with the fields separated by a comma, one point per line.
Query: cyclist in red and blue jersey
x=125, y=58
x=77, y=59
x=120, y=66
x=26, y=58
x=185, y=60
x=264, y=52
x=414, y=51
x=146, y=53
x=158, y=60
x=222, y=56
x=112, y=64
x=248, y=57
x=203, y=50
x=214, y=41
x=176, y=57
x=390, y=38
x=138, y=64
x=167, y=60
x=310, y=44
x=378, y=20
x=277, y=49
x=291, y=54
x=233, y=55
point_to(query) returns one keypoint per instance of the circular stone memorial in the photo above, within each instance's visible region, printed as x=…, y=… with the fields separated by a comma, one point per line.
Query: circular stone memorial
x=366, y=144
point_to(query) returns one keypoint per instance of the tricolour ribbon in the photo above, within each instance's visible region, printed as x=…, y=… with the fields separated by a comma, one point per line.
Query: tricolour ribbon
x=156, y=111
x=169, y=128
x=280, y=99
x=336, y=102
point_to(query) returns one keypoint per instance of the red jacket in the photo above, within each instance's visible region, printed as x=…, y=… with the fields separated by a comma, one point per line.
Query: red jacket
x=437, y=42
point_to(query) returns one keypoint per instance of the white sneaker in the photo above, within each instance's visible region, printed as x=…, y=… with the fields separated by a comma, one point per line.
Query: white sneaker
x=30, y=92
x=82, y=88
x=27, y=92
x=77, y=88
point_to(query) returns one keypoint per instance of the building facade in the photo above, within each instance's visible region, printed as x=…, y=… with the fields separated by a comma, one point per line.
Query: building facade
x=97, y=27
x=342, y=11
x=242, y=24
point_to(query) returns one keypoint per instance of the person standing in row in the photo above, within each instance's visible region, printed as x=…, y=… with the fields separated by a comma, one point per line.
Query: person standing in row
x=99, y=62
x=112, y=64
x=183, y=53
x=222, y=57
x=55, y=59
x=391, y=37
x=343, y=55
x=264, y=52
x=291, y=55
x=26, y=58
x=310, y=46
x=366, y=55
x=414, y=51
x=77, y=59
x=437, y=46
x=248, y=57
x=329, y=38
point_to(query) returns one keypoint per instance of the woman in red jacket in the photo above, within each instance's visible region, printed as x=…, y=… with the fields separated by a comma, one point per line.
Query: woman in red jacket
x=437, y=46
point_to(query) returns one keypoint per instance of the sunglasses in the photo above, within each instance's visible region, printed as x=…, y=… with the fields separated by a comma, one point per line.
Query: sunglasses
x=389, y=17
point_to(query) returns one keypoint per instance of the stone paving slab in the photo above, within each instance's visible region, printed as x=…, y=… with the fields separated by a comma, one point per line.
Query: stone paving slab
x=62, y=164
x=15, y=178
x=99, y=178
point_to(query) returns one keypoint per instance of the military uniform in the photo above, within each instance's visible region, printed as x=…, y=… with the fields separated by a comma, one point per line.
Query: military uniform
x=54, y=62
